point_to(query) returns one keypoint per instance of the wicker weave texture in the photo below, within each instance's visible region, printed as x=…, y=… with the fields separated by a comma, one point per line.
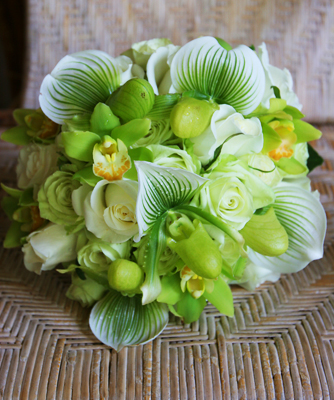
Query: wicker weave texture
x=279, y=344
x=299, y=35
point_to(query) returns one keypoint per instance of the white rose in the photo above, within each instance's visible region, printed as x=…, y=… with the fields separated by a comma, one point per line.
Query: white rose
x=174, y=157
x=255, y=275
x=237, y=135
x=279, y=78
x=48, y=247
x=158, y=69
x=264, y=168
x=36, y=163
x=143, y=50
x=110, y=210
x=228, y=199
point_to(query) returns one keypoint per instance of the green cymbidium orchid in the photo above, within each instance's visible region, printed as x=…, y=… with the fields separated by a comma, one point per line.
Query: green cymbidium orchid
x=32, y=125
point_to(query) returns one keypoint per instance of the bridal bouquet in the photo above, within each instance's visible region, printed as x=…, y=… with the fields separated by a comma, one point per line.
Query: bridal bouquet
x=158, y=178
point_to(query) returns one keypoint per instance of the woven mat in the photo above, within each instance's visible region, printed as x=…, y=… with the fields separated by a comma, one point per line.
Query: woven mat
x=280, y=344
x=299, y=35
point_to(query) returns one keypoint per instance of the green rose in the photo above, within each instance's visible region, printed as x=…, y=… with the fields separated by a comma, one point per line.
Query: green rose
x=159, y=133
x=173, y=157
x=228, y=199
x=98, y=255
x=55, y=199
x=86, y=291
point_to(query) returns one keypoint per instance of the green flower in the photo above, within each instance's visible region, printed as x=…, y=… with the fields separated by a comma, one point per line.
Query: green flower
x=159, y=133
x=55, y=199
x=98, y=255
x=86, y=291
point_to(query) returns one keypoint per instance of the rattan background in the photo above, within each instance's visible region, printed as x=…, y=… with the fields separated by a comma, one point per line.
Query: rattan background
x=299, y=35
x=279, y=345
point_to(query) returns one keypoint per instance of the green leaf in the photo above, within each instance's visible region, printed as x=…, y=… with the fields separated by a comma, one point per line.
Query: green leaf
x=294, y=112
x=132, y=131
x=314, y=159
x=87, y=175
x=224, y=44
x=16, y=193
x=271, y=139
x=103, y=121
x=9, y=205
x=189, y=308
x=265, y=235
x=14, y=236
x=277, y=92
x=161, y=189
x=137, y=154
x=80, y=274
x=17, y=135
x=155, y=247
x=171, y=291
x=305, y=132
x=119, y=321
x=27, y=198
x=163, y=106
x=304, y=220
x=234, y=77
x=79, y=145
x=78, y=83
x=221, y=297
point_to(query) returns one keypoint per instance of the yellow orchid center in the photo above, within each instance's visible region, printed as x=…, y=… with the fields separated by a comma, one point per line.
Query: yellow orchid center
x=111, y=159
x=285, y=130
x=195, y=284
x=40, y=125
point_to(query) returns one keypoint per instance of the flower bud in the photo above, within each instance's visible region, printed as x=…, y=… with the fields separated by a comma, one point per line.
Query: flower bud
x=199, y=252
x=133, y=100
x=191, y=117
x=125, y=276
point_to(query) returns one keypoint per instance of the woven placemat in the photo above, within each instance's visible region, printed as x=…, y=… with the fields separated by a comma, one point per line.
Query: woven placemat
x=279, y=344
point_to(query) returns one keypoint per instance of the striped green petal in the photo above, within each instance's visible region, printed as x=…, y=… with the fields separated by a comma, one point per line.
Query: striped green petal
x=80, y=81
x=119, y=321
x=303, y=218
x=161, y=189
x=233, y=77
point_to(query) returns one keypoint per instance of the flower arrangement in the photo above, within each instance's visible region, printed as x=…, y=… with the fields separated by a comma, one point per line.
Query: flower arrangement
x=160, y=177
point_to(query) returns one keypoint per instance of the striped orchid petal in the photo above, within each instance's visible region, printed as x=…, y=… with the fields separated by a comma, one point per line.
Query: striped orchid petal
x=120, y=321
x=303, y=217
x=234, y=77
x=80, y=81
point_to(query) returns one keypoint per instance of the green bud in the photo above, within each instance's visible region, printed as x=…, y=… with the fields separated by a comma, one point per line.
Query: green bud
x=125, y=276
x=133, y=100
x=191, y=117
x=199, y=252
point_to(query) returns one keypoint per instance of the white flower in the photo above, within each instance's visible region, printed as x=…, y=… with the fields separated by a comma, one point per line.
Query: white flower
x=48, y=247
x=143, y=50
x=255, y=275
x=228, y=199
x=279, y=78
x=36, y=163
x=237, y=135
x=264, y=168
x=173, y=157
x=158, y=69
x=110, y=210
